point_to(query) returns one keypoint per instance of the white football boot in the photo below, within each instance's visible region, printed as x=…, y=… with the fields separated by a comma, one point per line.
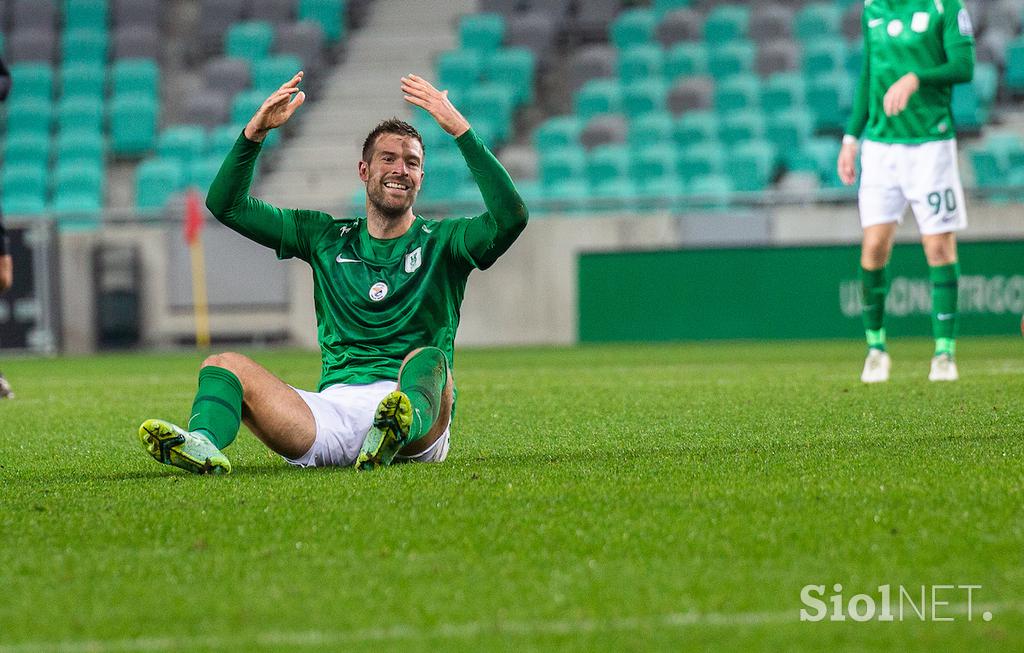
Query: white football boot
x=876, y=367
x=943, y=369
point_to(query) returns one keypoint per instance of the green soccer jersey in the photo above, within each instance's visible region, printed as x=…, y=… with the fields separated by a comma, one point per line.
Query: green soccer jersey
x=932, y=38
x=377, y=300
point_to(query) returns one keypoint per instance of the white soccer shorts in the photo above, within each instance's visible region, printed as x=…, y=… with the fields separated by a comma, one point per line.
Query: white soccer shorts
x=925, y=176
x=344, y=415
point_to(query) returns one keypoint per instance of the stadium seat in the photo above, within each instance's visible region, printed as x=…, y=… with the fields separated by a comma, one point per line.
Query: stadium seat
x=80, y=113
x=644, y=96
x=818, y=155
x=654, y=161
x=33, y=81
x=83, y=45
x=819, y=20
x=679, y=25
x=222, y=139
x=972, y=102
x=855, y=59
x=590, y=62
x=156, y=180
x=695, y=128
x=481, y=32
x=663, y=7
x=78, y=190
x=1014, y=76
x=731, y=59
x=136, y=76
x=80, y=146
x=330, y=14
x=698, y=160
x=88, y=14
x=685, y=59
x=268, y=74
x=557, y=132
x=737, y=93
x=250, y=40
x=133, y=121
x=275, y=12
x=604, y=129
x=709, y=192
x=32, y=45
x=447, y=172
x=633, y=27
x=829, y=97
x=777, y=56
x=245, y=104
x=494, y=102
x=558, y=165
x=183, y=143
x=27, y=150
x=567, y=196
x=29, y=116
x=751, y=165
x=742, y=126
x=83, y=80
x=640, y=62
x=24, y=189
x=726, y=23
x=649, y=130
x=459, y=70
x=305, y=40
x=691, y=94
x=783, y=91
x=824, y=57
x=202, y=172
x=789, y=130
x=136, y=42
x=512, y=67
x=598, y=96
x=770, y=22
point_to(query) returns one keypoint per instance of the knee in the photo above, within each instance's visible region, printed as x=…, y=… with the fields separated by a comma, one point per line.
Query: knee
x=227, y=360
x=427, y=353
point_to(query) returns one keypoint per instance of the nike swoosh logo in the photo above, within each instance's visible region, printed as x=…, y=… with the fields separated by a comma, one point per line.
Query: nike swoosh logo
x=342, y=259
x=945, y=316
x=189, y=425
x=875, y=22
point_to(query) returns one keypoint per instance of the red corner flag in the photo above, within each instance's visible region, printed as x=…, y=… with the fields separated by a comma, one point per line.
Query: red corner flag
x=193, y=217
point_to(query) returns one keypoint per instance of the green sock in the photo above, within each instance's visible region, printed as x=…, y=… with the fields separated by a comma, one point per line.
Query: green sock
x=945, y=288
x=217, y=409
x=874, y=289
x=423, y=379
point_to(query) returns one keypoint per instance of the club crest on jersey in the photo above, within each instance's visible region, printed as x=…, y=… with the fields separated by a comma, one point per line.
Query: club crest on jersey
x=413, y=260
x=378, y=291
x=919, y=23
x=895, y=27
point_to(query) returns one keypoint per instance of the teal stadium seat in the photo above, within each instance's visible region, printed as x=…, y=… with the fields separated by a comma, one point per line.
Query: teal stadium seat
x=558, y=165
x=656, y=161
x=268, y=74
x=78, y=191
x=1014, y=78
x=202, y=171
x=87, y=14
x=29, y=149
x=698, y=160
x=738, y=93
x=133, y=123
x=830, y=96
x=731, y=59
x=644, y=96
x=245, y=105
x=641, y=62
x=156, y=180
x=249, y=40
x=222, y=139
x=662, y=7
x=633, y=27
x=329, y=14
x=567, y=196
x=854, y=58
x=751, y=165
x=658, y=192
x=492, y=102
x=29, y=116
x=649, y=130
x=818, y=20
x=685, y=60
x=136, y=76
x=598, y=96
x=824, y=57
x=709, y=192
x=83, y=113
x=972, y=102
x=81, y=147
x=614, y=194
x=447, y=173
x=25, y=189
x=459, y=70
x=83, y=80
x=782, y=92
x=31, y=81
x=84, y=45
x=696, y=127
x=512, y=67
x=481, y=32
x=183, y=143
x=818, y=155
x=726, y=23
x=789, y=130
x=557, y=132
x=739, y=127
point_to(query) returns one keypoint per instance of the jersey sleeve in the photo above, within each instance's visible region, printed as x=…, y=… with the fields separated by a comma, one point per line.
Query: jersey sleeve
x=862, y=94
x=289, y=232
x=958, y=44
x=480, y=240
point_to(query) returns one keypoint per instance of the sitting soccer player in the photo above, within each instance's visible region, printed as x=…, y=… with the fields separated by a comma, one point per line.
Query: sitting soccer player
x=387, y=292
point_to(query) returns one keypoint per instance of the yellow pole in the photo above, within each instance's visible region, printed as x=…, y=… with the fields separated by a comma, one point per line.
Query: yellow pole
x=200, y=306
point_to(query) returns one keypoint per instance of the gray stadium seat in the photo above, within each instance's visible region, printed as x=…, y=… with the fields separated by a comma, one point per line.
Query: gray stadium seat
x=769, y=22
x=33, y=14
x=215, y=16
x=305, y=40
x=209, y=108
x=608, y=128
x=679, y=25
x=506, y=8
x=227, y=74
x=276, y=12
x=534, y=31
x=851, y=24
x=589, y=62
x=36, y=44
x=778, y=56
x=136, y=41
x=557, y=10
x=1004, y=15
x=136, y=12
x=691, y=93
x=592, y=18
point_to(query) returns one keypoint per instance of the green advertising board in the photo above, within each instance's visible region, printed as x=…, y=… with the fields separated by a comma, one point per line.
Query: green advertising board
x=778, y=293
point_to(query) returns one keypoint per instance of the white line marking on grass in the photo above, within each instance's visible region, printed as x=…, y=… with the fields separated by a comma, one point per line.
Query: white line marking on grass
x=469, y=630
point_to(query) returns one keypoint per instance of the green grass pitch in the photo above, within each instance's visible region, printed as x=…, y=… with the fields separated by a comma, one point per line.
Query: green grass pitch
x=596, y=498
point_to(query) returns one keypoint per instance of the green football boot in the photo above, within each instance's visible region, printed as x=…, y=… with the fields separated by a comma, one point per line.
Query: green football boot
x=389, y=433
x=192, y=452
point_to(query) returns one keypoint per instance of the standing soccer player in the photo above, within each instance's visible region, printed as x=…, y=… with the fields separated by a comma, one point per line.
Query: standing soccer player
x=387, y=291
x=914, y=52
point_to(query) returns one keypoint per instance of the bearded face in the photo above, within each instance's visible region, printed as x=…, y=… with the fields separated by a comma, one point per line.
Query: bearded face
x=394, y=174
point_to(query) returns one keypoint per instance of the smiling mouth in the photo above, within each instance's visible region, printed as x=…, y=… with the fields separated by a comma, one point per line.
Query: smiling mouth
x=394, y=185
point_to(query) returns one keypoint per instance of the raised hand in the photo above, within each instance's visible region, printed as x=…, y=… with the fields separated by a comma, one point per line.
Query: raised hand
x=276, y=109
x=422, y=93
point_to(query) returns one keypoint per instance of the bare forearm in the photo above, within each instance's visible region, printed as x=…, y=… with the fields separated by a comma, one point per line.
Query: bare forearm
x=6, y=273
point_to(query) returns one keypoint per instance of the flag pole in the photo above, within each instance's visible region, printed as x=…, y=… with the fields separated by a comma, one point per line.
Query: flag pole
x=193, y=229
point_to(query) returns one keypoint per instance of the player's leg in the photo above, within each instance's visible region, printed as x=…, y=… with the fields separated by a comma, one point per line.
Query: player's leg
x=944, y=271
x=232, y=388
x=410, y=419
x=5, y=388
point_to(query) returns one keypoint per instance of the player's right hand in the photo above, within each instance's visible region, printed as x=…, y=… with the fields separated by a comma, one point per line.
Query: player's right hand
x=276, y=109
x=847, y=164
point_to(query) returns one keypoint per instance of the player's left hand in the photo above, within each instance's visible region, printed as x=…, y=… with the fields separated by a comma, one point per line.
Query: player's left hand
x=422, y=93
x=6, y=273
x=896, y=98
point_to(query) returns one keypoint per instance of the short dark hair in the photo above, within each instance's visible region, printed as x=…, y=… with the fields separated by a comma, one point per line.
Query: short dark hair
x=389, y=126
